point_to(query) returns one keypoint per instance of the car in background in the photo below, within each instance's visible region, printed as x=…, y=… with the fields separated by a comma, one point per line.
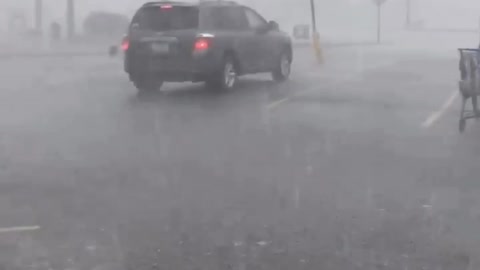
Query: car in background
x=209, y=41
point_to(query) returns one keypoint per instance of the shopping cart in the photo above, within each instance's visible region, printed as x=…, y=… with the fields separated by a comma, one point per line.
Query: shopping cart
x=469, y=84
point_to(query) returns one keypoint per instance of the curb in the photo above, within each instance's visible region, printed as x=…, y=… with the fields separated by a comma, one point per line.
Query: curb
x=17, y=55
x=20, y=55
x=442, y=30
x=342, y=44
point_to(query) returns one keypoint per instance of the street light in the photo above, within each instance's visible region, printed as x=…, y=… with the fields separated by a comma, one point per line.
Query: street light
x=70, y=19
x=316, y=37
x=38, y=15
x=408, y=16
x=314, y=20
x=379, y=4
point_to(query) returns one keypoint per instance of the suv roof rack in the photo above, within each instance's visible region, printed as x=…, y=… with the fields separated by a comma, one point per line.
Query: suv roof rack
x=201, y=2
x=159, y=3
x=218, y=2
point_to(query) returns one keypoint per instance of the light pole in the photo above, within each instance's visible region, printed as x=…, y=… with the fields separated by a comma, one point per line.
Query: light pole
x=316, y=37
x=314, y=20
x=379, y=23
x=379, y=4
x=70, y=19
x=38, y=15
x=408, y=15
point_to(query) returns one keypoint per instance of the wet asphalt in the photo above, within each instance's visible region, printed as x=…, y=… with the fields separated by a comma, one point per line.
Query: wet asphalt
x=338, y=168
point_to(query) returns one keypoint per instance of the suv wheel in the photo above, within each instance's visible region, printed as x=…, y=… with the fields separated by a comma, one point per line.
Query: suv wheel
x=283, y=68
x=226, y=78
x=148, y=84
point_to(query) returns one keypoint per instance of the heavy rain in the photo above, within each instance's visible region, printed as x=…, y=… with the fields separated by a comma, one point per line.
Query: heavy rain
x=355, y=155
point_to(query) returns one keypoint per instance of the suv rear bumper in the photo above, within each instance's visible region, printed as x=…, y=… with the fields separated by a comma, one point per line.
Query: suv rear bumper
x=196, y=68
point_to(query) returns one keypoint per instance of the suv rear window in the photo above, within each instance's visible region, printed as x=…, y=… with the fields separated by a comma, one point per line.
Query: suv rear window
x=165, y=19
x=225, y=18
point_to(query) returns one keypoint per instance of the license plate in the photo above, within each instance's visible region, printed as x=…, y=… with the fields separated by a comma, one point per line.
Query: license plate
x=160, y=48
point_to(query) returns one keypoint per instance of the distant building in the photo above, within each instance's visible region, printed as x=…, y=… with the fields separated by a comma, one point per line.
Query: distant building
x=55, y=10
x=450, y=14
x=10, y=9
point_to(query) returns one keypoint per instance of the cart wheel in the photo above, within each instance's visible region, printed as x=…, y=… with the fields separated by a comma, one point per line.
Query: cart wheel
x=462, y=124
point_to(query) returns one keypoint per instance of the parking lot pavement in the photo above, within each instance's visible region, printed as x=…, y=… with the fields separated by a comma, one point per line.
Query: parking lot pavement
x=331, y=170
x=21, y=48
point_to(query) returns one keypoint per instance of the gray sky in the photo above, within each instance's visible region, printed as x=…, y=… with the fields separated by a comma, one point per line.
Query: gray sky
x=341, y=15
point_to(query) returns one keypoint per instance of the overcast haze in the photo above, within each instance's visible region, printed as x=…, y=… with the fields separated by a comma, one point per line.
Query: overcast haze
x=347, y=156
x=334, y=16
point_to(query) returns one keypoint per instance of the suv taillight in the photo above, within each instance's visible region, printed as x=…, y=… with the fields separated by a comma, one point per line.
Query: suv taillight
x=201, y=44
x=125, y=44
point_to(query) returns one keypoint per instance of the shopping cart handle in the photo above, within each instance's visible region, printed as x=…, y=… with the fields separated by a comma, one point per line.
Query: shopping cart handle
x=469, y=49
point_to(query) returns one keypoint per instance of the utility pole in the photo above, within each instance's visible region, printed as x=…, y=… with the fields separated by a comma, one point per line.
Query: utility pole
x=316, y=37
x=314, y=20
x=379, y=24
x=408, y=19
x=38, y=15
x=379, y=4
x=70, y=19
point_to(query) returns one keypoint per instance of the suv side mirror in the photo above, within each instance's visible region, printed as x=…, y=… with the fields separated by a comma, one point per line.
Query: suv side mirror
x=270, y=26
x=273, y=26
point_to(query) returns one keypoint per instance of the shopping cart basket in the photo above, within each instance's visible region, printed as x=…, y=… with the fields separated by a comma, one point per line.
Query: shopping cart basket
x=469, y=84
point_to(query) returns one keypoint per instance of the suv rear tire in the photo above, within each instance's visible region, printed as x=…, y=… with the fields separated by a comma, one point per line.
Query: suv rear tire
x=226, y=78
x=148, y=84
x=283, y=67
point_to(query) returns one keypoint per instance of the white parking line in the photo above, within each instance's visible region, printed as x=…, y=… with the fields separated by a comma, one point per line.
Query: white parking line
x=345, y=79
x=436, y=115
x=277, y=103
x=19, y=229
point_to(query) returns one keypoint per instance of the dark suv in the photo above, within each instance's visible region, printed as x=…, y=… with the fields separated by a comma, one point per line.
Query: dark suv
x=208, y=41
